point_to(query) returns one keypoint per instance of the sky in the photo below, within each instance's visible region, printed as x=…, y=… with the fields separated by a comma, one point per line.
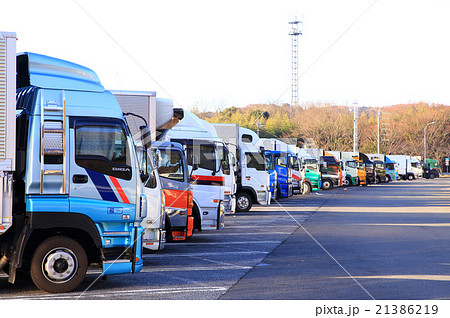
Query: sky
x=217, y=54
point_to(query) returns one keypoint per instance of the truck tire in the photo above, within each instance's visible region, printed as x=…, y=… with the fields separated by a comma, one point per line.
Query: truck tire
x=306, y=188
x=168, y=228
x=410, y=177
x=377, y=180
x=432, y=176
x=387, y=179
x=243, y=202
x=327, y=184
x=347, y=181
x=59, y=265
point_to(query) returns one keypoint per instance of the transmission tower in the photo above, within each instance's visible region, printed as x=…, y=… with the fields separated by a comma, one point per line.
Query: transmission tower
x=294, y=32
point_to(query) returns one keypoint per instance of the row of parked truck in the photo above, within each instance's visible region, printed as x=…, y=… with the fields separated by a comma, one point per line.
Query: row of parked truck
x=91, y=177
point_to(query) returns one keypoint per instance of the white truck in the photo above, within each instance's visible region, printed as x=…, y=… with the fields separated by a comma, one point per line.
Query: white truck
x=200, y=141
x=408, y=167
x=74, y=190
x=251, y=172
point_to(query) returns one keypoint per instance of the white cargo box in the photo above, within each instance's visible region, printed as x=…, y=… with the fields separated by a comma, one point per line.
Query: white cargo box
x=7, y=125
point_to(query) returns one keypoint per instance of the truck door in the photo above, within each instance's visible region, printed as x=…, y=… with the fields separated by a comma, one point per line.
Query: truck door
x=172, y=170
x=102, y=182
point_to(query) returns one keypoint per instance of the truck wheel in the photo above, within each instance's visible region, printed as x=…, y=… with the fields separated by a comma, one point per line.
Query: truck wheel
x=410, y=177
x=432, y=176
x=378, y=180
x=306, y=188
x=327, y=184
x=168, y=228
x=58, y=265
x=243, y=202
x=388, y=178
x=347, y=182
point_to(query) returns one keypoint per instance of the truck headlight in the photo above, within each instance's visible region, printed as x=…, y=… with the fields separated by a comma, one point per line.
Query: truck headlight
x=221, y=208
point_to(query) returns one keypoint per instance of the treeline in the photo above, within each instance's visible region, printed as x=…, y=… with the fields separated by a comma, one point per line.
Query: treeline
x=331, y=127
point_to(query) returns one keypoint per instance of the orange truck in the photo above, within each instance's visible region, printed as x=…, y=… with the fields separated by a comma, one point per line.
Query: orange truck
x=174, y=175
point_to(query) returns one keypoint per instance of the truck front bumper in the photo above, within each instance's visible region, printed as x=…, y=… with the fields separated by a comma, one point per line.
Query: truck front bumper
x=263, y=197
x=154, y=239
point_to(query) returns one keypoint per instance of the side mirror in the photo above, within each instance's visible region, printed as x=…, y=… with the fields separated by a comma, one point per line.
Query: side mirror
x=195, y=164
x=151, y=182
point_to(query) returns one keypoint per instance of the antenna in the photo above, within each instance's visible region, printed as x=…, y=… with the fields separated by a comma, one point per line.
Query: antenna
x=295, y=31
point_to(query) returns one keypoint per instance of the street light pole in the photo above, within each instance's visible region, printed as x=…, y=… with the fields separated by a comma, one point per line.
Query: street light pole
x=425, y=141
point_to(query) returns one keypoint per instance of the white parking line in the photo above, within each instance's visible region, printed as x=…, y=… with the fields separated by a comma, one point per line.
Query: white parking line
x=107, y=294
x=223, y=243
x=241, y=234
x=172, y=255
x=190, y=268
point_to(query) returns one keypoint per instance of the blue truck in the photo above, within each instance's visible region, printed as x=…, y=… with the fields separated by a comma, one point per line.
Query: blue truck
x=277, y=152
x=76, y=191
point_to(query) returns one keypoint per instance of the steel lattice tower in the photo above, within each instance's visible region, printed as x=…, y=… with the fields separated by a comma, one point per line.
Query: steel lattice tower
x=294, y=32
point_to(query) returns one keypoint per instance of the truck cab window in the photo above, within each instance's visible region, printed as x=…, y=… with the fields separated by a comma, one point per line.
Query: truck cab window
x=269, y=162
x=281, y=161
x=104, y=149
x=294, y=164
x=255, y=160
x=170, y=164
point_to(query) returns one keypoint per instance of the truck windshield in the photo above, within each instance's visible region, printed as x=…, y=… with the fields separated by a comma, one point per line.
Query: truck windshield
x=415, y=164
x=369, y=167
x=170, y=164
x=206, y=153
x=255, y=160
x=311, y=164
x=390, y=166
x=351, y=164
x=380, y=165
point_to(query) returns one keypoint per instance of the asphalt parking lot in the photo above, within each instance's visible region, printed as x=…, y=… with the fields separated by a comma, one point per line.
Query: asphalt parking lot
x=389, y=241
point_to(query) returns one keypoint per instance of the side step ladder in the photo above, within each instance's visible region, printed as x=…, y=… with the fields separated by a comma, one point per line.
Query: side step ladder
x=53, y=140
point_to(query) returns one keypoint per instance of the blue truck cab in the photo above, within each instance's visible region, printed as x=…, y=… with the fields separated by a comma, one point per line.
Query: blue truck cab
x=282, y=166
x=391, y=171
x=83, y=192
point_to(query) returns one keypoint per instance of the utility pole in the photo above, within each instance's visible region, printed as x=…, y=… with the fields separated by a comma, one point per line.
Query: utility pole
x=295, y=31
x=378, y=130
x=425, y=141
x=355, y=126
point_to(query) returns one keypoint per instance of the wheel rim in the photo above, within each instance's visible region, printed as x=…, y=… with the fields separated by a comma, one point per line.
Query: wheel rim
x=59, y=265
x=243, y=202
